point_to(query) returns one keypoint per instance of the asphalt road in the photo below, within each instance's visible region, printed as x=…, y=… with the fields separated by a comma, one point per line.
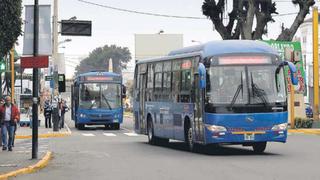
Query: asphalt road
x=97, y=153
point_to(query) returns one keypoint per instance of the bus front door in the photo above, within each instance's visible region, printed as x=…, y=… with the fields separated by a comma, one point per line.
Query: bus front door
x=198, y=113
x=142, y=87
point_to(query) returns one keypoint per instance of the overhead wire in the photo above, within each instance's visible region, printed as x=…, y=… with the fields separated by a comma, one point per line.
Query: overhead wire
x=163, y=15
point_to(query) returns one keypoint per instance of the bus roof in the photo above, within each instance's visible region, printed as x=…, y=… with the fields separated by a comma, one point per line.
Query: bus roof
x=216, y=48
x=99, y=73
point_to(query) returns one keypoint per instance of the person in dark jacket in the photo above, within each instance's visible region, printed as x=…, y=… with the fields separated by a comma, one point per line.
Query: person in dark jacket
x=64, y=108
x=47, y=113
x=9, y=116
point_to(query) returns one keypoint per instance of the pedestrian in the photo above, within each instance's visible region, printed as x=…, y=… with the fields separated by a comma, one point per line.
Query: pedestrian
x=1, y=104
x=47, y=113
x=15, y=125
x=64, y=108
x=9, y=115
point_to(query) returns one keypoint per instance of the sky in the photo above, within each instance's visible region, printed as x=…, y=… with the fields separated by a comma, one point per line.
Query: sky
x=114, y=27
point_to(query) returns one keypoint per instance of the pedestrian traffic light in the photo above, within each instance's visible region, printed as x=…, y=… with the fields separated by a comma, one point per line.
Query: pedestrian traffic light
x=62, y=83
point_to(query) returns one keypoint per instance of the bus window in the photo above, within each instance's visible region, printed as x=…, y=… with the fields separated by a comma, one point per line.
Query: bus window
x=176, y=82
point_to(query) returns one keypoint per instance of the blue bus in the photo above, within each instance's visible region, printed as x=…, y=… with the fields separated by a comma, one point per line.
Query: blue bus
x=97, y=99
x=220, y=92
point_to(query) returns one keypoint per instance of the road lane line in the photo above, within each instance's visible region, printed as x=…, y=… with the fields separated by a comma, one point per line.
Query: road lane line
x=88, y=134
x=131, y=134
x=126, y=129
x=109, y=134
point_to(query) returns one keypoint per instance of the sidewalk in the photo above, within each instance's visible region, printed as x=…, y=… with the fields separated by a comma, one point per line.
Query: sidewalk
x=26, y=132
x=305, y=131
x=20, y=157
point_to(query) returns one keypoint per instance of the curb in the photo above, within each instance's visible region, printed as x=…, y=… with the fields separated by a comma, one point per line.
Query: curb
x=305, y=131
x=50, y=135
x=30, y=169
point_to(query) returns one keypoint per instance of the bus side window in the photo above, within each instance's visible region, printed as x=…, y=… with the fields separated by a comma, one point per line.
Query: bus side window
x=176, y=82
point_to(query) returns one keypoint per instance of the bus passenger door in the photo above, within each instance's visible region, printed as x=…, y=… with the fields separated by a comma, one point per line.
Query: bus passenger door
x=142, y=98
x=198, y=110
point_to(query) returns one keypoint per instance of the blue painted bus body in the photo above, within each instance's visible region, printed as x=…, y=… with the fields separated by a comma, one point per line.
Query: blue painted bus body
x=97, y=116
x=168, y=118
x=239, y=122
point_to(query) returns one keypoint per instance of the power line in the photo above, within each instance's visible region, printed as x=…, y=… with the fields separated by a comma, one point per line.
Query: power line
x=140, y=12
x=166, y=15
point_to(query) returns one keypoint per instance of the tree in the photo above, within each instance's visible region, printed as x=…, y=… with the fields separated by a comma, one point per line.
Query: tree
x=10, y=24
x=100, y=57
x=247, y=13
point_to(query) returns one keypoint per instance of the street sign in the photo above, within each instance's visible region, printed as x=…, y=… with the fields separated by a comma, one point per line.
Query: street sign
x=48, y=78
x=35, y=62
x=75, y=28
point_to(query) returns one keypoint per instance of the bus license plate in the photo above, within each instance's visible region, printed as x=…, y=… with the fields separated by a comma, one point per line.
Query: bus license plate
x=248, y=137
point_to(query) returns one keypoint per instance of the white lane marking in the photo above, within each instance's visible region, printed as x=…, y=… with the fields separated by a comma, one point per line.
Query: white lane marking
x=131, y=134
x=126, y=129
x=88, y=134
x=109, y=134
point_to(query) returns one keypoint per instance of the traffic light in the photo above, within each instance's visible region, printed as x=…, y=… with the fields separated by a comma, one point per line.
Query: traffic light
x=62, y=83
x=2, y=66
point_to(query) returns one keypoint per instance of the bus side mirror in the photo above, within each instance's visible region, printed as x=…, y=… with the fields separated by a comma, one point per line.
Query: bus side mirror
x=202, y=76
x=293, y=70
x=124, y=91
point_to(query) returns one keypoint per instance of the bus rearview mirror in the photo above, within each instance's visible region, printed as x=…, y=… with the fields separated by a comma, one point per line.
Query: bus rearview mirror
x=202, y=76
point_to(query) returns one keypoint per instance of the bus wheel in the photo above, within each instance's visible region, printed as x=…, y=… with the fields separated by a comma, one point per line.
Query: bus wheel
x=151, y=137
x=115, y=126
x=259, y=147
x=80, y=126
x=189, y=139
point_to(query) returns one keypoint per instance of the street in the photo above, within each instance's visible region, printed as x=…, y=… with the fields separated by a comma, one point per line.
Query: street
x=96, y=153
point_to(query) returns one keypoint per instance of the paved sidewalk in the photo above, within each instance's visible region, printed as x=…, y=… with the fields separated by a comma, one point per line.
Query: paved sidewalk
x=20, y=157
x=25, y=132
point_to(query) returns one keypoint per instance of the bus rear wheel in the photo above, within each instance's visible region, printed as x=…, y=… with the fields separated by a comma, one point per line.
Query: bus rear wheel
x=259, y=147
x=189, y=139
x=151, y=138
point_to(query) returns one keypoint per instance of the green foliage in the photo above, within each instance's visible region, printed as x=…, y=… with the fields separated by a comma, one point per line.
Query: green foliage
x=10, y=24
x=303, y=122
x=100, y=57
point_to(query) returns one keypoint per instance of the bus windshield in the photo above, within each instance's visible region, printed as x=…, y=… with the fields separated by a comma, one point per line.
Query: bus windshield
x=100, y=95
x=245, y=84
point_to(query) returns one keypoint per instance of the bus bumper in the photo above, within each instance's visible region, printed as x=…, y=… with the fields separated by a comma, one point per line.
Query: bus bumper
x=245, y=137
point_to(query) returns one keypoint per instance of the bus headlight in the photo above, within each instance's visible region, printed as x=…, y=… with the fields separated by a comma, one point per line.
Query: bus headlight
x=82, y=115
x=280, y=127
x=215, y=128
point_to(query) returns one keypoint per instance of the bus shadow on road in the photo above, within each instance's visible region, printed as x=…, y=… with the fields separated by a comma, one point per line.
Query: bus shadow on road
x=214, y=150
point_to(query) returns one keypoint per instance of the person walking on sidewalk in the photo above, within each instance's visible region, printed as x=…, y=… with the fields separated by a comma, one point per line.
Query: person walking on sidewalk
x=9, y=115
x=47, y=113
x=15, y=126
x=1, y=104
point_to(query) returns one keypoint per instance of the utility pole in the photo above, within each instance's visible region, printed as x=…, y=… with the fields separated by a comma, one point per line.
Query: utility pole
x=315, y=67
x=35, y=82
x=12, y=73
x=55, y=47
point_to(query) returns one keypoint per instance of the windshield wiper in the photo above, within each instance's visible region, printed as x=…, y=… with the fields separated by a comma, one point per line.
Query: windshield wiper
x=106, y=101
x=235, y=96
x=256, y=91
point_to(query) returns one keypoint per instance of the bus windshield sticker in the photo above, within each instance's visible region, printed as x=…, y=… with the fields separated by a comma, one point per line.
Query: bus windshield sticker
x=229, y=60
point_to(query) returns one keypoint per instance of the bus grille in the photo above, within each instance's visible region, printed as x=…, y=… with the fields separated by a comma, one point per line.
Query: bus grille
x=100, y=117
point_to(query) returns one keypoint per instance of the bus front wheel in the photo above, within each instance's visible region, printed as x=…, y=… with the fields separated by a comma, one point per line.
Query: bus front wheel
x=259, y=147
x=80, y=126
x=115, y=126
